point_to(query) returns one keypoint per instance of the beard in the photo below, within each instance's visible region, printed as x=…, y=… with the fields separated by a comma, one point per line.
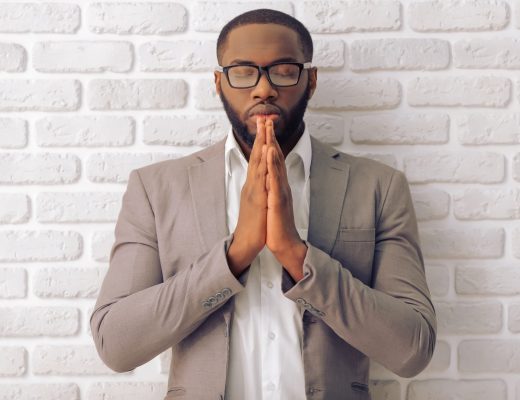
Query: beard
x=290, y=122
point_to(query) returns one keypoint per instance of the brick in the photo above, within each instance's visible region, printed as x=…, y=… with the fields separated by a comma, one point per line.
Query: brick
x=40, y=246
x=514, y=318
x=380, y=373
x=127, y=390
x=179, y=55
x=38, y=321
x=469, y=318
x=516, y=11
x=480, y=204
x=82, y=56
x=516, y=167
x=349, y=16
x=487, y=280
x=503, y=53
x=516, y=242
x=116, y=167
x=68, y=360
x=387, y=159
x=39, y=95
x=68, y=282
x=102, y=242
x=211, y=16
x=455, y=91
x=399, y=54
x=206, y=97
x=78, y=207
x=38, y=168
x=197, y=130
x=441, y=358
x=490, y=356
x=389, y=128
x=327, y=128
x=13, y=57
x=13, y=133
x=356, y=94
x=21, y=17
x=455, y=15
x=85, y=131
x=442, y=389
x=438, y=279
x=463, y=243
x=329, y=54
x=14, y=208
x=13, y=284
x=388, y=390
x=165, y=359
x=40, y=391
x=456, y=167
x=494, y=128
x=13, y=361
x=139, y=18
x=431, y=204
x=137, y=94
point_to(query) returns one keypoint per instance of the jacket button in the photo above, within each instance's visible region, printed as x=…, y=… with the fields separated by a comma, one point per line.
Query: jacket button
x=226, y=292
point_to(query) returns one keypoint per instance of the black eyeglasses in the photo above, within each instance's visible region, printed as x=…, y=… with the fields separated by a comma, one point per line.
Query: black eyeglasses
x=282, y=74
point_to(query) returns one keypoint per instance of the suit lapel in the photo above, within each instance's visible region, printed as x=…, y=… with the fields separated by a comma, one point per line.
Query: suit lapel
x=207, y=186
x=328, y=185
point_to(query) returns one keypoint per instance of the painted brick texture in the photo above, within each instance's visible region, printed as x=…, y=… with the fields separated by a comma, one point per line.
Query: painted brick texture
x=90, y=90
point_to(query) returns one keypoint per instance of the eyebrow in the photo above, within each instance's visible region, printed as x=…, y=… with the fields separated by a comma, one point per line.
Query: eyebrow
x=244, y=62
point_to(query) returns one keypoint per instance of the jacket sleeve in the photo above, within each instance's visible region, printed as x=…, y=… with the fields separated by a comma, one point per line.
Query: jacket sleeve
x=137, y=314
x=393, y=320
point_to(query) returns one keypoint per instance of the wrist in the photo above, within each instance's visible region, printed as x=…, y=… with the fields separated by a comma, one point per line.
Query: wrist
x=238, y=257
x=292, y=258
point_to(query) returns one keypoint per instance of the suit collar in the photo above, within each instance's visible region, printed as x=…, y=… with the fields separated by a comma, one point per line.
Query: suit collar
x=328, y=186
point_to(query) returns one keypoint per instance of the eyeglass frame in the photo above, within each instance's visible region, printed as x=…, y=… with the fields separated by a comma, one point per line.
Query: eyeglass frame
x=302, y=66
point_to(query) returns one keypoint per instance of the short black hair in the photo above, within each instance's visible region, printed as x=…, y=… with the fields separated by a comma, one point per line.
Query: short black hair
x=267, y=16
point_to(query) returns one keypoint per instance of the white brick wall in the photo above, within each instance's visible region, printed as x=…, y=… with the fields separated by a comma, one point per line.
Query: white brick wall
x=90, y=90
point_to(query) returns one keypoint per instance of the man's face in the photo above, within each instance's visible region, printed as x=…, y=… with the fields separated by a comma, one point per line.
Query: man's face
x=263, y=44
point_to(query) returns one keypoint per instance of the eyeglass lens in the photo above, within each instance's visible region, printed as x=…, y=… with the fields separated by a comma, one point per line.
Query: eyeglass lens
x=247, y=75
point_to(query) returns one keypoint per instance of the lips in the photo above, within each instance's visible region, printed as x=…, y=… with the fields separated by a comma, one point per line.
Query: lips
x=265, y=109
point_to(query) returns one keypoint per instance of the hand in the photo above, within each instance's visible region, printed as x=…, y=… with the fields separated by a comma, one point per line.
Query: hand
x=250, y=233
x=282, y=236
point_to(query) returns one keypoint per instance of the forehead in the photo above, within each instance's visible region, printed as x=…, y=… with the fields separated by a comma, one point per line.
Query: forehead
x=262, y=44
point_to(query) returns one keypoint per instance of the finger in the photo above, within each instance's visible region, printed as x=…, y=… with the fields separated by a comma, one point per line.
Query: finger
x=256, y=151
x=273, y=139
x=261, y=171
x=272, y=170
x=269, y=131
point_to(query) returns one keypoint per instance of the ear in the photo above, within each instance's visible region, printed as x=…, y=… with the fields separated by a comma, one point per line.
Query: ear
x=313, y=80
x=218, y=77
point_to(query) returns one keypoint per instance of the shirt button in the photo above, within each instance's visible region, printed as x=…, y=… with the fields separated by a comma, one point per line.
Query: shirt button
x=270, y=285
x=272, y=335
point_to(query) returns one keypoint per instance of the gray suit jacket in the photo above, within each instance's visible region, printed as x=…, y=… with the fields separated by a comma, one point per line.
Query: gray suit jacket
x=169, y=285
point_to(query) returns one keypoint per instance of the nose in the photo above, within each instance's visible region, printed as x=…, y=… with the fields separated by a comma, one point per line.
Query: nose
x=264, y=90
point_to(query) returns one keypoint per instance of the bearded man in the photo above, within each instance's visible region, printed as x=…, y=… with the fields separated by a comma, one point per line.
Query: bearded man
x=272, y=265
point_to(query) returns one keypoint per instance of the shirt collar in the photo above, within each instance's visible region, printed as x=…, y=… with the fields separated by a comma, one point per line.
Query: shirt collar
x=302, y=149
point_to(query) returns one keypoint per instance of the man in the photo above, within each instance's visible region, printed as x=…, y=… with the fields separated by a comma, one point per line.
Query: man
x=272, y=265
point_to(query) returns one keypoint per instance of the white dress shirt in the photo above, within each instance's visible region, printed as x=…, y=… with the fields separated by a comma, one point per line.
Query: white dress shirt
x=265, y=354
